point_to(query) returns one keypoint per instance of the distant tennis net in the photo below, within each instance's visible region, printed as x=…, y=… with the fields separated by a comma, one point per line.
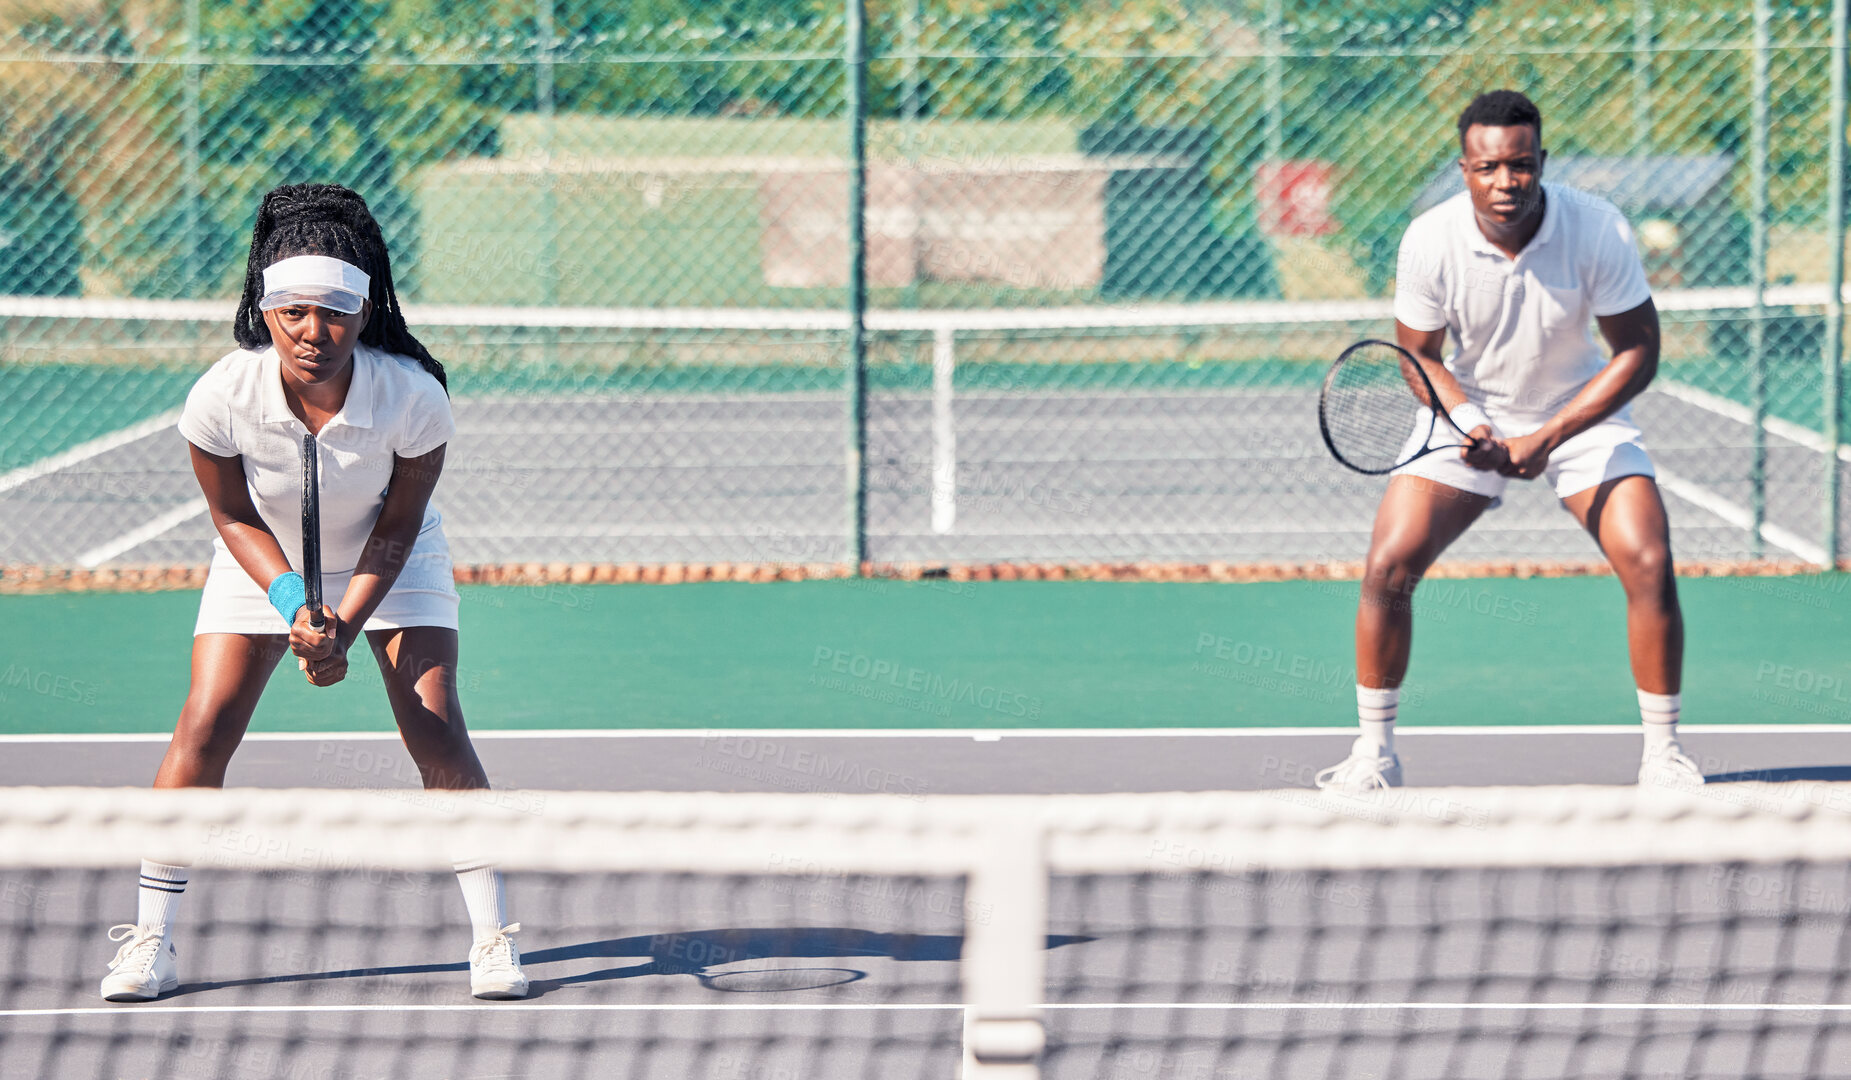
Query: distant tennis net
x=1445, y=933
x=1057, y=441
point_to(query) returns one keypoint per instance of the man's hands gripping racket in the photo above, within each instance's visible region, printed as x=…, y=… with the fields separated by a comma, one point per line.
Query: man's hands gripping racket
x=314, y=637
x=1369, y=404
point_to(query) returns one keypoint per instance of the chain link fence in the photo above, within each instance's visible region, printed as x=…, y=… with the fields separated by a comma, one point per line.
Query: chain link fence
x=1107, y=251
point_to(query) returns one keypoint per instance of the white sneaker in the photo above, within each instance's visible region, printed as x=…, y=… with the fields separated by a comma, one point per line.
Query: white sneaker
x=144, y=967
x=495, y=966
x=1668, y=766
x=1366, y=769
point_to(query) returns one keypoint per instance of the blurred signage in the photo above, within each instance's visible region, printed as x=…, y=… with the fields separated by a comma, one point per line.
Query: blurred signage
x=1294, y=198
x=1028, y=222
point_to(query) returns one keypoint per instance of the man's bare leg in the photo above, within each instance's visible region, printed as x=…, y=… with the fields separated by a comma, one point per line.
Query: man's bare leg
x=1416, y=521
x=1627, y=519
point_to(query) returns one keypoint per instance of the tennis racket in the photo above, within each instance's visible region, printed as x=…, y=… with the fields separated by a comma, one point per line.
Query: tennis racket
x=311, y=531
x=1366, y=411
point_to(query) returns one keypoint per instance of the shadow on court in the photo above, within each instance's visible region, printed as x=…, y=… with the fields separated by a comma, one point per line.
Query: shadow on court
x=1779, y=776
x=693, y=952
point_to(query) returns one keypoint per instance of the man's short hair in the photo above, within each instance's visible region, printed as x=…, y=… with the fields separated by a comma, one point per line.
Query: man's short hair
x=1500, y=108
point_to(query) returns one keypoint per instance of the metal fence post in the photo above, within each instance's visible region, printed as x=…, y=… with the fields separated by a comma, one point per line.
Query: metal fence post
x=857, y=75
x=1275, y=80
x=1835, y=304
x=549, y=210
x=912, y=99
x=1642, y=77
x=1757, y=327
x=193, y=192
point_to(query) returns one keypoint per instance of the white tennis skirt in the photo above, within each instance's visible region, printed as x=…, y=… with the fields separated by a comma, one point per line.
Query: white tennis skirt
x=423, y=595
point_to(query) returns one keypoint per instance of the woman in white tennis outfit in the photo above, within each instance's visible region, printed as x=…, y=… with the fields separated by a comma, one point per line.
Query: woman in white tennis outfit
x=324, y=350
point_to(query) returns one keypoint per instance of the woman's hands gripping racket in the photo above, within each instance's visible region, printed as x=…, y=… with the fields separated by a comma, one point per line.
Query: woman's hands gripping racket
x=321, y=657
x=1369, y=405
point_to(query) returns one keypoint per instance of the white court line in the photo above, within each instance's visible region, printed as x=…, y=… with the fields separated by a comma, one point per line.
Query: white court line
x=1738, y=516
x=1722, y=406
x=141, y=534
x=137, y=1010
x=84, y=451
x=977, y=734
x=1731, y=512
x=1242, y=1006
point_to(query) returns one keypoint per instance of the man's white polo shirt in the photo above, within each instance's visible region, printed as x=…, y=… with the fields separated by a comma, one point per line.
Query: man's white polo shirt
x=1520, y=330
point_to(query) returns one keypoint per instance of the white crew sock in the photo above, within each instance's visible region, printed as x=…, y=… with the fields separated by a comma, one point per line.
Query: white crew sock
x=1375, y=708
x=484, y=896
x=159, y=896
x=1659, y=712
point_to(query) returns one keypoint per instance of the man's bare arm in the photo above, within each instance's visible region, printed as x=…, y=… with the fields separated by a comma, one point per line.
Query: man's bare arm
x=1633, y=337
x=1428, y=349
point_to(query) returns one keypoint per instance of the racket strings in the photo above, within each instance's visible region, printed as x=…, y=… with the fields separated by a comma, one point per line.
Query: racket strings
x=1370, y=403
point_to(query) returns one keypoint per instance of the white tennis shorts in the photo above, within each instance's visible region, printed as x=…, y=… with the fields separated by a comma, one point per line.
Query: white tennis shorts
x=1607, y=451
x=423, y=595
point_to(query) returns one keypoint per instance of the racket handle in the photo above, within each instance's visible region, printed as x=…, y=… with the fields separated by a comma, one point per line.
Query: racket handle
x=316, y=620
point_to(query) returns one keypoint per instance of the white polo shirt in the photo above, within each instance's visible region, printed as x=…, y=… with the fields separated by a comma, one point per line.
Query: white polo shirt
x=1521, y=330
x=393, y=408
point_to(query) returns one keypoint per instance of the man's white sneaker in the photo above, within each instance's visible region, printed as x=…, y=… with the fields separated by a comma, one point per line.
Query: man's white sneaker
x=144, y=967
x=1366, y=769
x=1668, y=766
x=495, y=966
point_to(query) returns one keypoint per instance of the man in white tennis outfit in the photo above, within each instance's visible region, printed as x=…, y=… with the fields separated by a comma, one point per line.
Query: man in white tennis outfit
x=1514, y=270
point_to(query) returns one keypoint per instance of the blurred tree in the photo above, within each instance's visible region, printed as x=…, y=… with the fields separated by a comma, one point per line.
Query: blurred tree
x=367, y=92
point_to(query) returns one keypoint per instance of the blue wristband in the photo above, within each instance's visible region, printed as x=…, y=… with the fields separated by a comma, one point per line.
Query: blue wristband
x=288, y=595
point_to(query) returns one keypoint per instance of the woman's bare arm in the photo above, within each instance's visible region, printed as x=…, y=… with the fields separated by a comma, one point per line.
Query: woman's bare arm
x=228, y=499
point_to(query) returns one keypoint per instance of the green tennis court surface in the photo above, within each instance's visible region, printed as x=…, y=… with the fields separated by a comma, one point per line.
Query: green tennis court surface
x=940, y=654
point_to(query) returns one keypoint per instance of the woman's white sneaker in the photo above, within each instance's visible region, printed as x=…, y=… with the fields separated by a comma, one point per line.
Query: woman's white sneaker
x=1366, y=769
x=145, y=966
x=495, y=966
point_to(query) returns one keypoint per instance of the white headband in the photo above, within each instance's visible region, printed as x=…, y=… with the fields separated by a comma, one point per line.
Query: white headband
x=315, y=279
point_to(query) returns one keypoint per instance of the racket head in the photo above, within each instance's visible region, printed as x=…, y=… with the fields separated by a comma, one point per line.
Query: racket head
x=1369, y=405
x=311, y=530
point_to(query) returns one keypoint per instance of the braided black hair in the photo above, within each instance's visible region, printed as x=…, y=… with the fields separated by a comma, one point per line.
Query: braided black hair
x=327, y=219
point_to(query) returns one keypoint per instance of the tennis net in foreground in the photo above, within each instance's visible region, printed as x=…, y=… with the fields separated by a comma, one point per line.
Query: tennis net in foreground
x=1459, y=933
